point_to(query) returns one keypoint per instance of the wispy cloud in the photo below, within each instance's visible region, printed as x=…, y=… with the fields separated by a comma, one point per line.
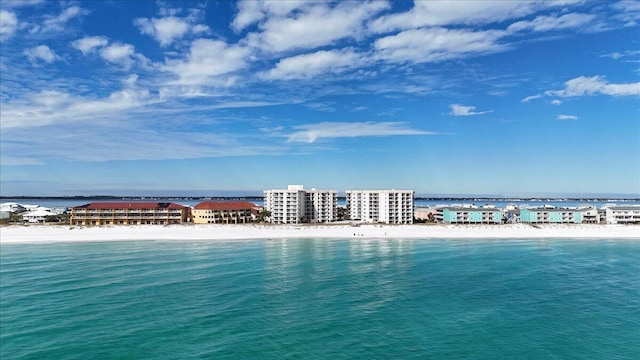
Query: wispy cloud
x=628, y=12
x=312, y=65
x=462, y=110
x=595, y=85
x=314, y=24
x=567, y=117
x=548, y=23
x=57, y=23
x=532, y=97
x=622, y=55
x=50, y=106
x=436, y=44
x=556, y=102
x=442, y=13
x=129, y=141
x=309, y=133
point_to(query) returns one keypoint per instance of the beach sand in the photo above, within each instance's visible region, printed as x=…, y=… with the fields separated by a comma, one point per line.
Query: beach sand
x=59, y=233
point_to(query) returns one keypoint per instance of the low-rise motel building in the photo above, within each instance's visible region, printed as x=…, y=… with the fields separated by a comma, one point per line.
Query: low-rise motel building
x=468, y=215
x=559, y=215
x=224, y=212
x=129, y=213
x=629, y=214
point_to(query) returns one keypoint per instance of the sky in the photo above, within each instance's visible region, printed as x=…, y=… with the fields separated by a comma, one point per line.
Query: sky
x=506, y=98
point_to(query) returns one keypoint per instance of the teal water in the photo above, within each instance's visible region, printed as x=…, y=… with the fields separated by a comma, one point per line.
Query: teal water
x=321, y=299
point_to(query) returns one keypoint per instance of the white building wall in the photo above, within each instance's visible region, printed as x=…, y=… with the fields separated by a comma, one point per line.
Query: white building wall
x=385, y=206
x=296, y=205
x=321, y=205
x=622, y=214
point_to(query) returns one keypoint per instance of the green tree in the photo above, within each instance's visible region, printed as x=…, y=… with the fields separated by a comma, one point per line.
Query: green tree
x=342, y=213
x=263, y=214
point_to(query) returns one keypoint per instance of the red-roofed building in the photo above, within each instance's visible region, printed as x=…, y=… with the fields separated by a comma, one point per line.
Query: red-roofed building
x=129, y=213
x=224, y=212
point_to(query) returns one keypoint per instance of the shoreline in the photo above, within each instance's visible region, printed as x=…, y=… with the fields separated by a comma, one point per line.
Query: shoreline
x=15, y=234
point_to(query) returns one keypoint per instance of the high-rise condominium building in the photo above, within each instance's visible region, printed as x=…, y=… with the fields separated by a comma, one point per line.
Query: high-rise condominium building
x=380, y=206
x=296, y=205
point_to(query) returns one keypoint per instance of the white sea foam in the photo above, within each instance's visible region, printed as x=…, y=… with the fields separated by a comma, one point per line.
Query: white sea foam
x=56, y=233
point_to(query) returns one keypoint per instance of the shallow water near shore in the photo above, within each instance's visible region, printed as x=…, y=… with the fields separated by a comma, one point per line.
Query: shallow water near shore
x=321, y=298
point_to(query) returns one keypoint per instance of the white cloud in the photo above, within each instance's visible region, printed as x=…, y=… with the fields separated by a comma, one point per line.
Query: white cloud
x=20, y=3
x=8, y=24
x=135, y=141
x=88, y=44
x=463, y=110
x=57, y=23
x=454, y=12
x=532, y=97
x=328, y=107
x=316, y=25
x=252, y=11
x=311, y=65
x=436, y=44
x=556, y=102
x=168, y=29
x=629, y=11
x=41, y=53
x=51, y=107
x=614, y=56
x=548, y=23
x=117, y=53
x=207, y=61
x=309, y=133
x=567, y=117
x=595, y=85
x=621, y=55
x=200, y=29
x=123, y=55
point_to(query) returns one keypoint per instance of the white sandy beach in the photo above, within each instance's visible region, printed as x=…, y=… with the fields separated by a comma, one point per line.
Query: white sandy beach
x=58, y=233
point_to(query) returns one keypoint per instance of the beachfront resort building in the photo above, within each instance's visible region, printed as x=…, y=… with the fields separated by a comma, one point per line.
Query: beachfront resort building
x=129, y=213
x=380, y=206
x=629, y=214
x=297, y=205
x=468, y=215
x=224, y=212
x=559, y=215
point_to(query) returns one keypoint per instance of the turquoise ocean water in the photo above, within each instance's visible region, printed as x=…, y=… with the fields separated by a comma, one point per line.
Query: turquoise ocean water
x=321, y=299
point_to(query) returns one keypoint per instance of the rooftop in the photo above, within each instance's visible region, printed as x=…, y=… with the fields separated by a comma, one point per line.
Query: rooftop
x=129, y=205
x=225, y=205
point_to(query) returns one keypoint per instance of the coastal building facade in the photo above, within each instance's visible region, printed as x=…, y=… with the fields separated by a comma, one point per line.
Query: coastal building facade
x=128, y=213
x=380, y=206
x=224, y=212
x=37, y=216
x=466, y=215
x=622, y=214
x=297, y=205
x=550, y=215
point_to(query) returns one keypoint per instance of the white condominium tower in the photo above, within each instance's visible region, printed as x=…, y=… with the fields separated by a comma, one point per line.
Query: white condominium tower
x=380, y=206
x=296, y=205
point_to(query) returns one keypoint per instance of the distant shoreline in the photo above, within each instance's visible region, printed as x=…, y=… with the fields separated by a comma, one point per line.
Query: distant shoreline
x=186, y=232
x=257, y=197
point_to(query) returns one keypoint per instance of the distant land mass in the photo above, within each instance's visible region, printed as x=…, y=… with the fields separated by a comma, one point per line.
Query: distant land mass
x=454, y=198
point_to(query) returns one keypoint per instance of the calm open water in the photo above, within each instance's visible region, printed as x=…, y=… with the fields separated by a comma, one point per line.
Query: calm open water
x=321, y=299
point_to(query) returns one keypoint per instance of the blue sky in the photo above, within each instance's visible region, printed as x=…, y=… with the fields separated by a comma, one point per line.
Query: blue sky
x=217, y=98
